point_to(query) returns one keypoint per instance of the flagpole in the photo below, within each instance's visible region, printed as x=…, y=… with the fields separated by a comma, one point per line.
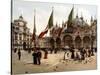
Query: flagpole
x=34, y=28
x=34, y=31
x=53, y=13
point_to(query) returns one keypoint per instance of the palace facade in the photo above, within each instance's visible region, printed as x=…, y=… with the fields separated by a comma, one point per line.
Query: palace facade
x=21, y=36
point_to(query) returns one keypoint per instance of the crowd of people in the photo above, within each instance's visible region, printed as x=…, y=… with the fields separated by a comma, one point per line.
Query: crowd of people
x=76, y=54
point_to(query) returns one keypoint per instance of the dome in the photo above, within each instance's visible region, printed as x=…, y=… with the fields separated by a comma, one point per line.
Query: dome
x=79, y=22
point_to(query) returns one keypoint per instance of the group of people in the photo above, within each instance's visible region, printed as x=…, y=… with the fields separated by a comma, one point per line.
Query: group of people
x=78, y=54
x=37, y=57
x=18, y=53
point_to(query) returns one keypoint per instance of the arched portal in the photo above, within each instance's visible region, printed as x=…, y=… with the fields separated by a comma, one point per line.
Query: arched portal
x=86, y=41
x=52, y=42
x=58, y=42
x=68, y=40
x=78, y=42
x=93, y=41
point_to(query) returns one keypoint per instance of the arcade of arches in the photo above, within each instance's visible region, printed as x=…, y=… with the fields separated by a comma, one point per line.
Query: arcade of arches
x=76, y=42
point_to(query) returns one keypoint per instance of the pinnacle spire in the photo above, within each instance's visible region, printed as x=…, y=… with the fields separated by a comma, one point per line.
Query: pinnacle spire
x=81, y=16
x=21, y=17
x=91, y=19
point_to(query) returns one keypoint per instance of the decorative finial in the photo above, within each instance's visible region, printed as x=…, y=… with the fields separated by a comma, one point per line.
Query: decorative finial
x=21, y=17
x=81, y=16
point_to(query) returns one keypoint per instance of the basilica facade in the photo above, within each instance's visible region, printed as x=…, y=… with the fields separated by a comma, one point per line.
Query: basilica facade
x=78, y=34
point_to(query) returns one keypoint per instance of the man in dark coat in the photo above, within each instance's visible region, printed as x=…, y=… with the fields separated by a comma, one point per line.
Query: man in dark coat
x=34, y=54
x=19, y=54
x=51, y=50
x=72, y=55
x=39, y=55
x=83, y=52
x=15, y=50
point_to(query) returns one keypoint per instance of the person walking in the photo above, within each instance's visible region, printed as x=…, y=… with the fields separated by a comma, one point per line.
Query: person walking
x=19, y=54
x=34, y=54
x=15, y=50
x=39, y=55
x=45, y=54
x=51, y=50
x=72, y=53
x=89, y=51
x=67, y=55
x=82, y=54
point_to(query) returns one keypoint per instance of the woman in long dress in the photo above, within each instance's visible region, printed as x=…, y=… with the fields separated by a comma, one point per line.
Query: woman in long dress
x=45, y=54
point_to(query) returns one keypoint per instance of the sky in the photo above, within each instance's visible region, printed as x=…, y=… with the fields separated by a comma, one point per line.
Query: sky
x=44, y=9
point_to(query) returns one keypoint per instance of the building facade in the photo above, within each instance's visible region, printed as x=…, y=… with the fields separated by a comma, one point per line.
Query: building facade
x=21, y=36
x=78, y=35
x=44, y=42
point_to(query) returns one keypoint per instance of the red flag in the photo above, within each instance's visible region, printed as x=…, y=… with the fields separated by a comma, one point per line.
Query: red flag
x=50, y=24
x=43, y=33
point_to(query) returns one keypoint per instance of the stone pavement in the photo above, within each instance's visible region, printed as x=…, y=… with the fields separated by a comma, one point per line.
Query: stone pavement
x=54, y=63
